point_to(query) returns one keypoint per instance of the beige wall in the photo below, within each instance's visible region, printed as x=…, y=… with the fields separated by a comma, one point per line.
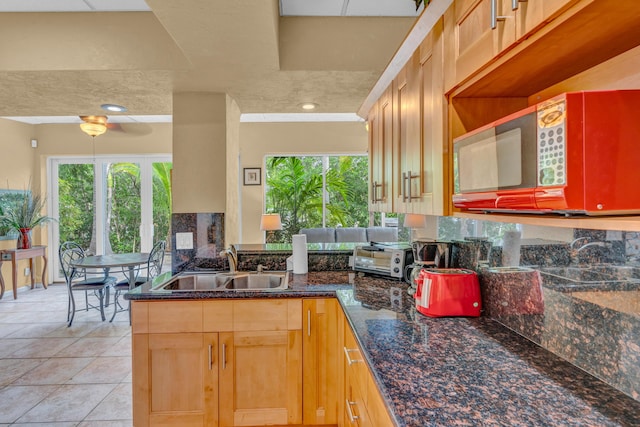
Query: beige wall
x=199, y=152
x=20, y=163
x=258, y=140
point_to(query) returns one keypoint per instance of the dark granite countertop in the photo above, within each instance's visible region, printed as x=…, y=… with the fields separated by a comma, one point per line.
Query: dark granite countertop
x=457, y=371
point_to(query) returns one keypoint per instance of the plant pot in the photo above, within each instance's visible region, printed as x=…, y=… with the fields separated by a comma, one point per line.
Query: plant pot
x=24, y=239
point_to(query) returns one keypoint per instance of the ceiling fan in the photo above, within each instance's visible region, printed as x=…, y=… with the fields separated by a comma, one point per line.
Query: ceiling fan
x=97, y=125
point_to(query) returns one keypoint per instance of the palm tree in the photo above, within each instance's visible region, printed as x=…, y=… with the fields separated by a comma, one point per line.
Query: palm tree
x=295, y=191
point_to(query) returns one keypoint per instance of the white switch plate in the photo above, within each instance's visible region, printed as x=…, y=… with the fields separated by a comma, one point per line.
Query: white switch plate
x=184, y=241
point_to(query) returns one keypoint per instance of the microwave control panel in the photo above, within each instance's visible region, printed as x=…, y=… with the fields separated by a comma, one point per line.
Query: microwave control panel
x=552, y=165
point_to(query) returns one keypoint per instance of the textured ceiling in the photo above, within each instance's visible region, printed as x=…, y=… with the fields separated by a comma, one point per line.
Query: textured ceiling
x=71, y=63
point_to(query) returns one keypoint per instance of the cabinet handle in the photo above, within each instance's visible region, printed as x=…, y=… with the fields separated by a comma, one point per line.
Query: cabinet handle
x=308, y=323
x=514, y=4
x=404, y=186
x=351, y=361
x=373, y=192
x=210, y=357
x=224, y=356
x=352, y=417
x=494, y=14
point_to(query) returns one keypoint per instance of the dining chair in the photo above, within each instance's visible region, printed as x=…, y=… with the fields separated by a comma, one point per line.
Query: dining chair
x=153, y=268
x=77, y=280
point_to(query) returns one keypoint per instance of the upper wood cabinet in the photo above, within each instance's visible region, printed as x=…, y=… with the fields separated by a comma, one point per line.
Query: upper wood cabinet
x=485, y=29
x=406, y=124
x=380, y=121
x=532, y=14
x=433, y=105
x=420, y=130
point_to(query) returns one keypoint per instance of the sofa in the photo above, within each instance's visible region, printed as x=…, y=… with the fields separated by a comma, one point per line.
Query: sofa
x=350, y=234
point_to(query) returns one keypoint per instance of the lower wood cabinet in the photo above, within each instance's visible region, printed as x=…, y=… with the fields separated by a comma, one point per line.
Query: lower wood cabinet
x=364, y=406
x=260, y=378
x=247, y=373
x=322, y=360
x=285, y=362
x=175, y=379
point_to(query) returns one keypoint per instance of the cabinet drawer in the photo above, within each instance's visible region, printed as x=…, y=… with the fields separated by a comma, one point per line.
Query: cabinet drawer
x=217, y=316
x=265, y=315
x=355, y=366
x=166, y=316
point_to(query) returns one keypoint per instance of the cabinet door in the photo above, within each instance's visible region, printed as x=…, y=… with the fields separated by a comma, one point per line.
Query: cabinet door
x=478, y=40
x=355, y=413
x=407, y=135
x=355, y=409
x=432, y=163
x=175, y=379
x=381, y=153
x=533, y=14
x=322, y=357
x=260, y=378
x=375, y=165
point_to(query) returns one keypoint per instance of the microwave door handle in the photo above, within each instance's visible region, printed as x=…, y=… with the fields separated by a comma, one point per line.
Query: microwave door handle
x=494, y=15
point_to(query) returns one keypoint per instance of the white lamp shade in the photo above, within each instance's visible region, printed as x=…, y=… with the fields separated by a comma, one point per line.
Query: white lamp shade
x=415, y=221
x=270, y=222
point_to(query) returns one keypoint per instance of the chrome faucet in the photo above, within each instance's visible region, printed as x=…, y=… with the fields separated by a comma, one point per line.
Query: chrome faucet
x=232, y=258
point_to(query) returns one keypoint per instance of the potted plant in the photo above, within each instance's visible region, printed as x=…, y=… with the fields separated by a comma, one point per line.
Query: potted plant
x=23, y=216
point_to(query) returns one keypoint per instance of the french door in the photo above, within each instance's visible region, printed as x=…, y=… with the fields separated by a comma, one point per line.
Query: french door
x=109, y=204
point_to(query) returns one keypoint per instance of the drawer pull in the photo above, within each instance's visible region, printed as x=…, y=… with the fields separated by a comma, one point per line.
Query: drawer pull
x=352, y=417
x=351, y=361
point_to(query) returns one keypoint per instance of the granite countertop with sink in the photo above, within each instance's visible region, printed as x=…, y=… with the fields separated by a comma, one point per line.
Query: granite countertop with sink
x=455, y=371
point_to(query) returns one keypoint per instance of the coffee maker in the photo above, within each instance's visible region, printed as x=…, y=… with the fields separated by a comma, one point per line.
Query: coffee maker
x=427, y=254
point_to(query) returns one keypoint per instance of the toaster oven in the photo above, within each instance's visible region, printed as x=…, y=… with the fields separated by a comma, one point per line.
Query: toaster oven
x=380, y=259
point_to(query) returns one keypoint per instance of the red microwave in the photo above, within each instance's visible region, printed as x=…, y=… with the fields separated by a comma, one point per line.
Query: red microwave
x=575, y=154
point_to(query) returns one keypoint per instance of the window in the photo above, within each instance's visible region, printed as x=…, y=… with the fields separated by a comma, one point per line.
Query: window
x=110, y=204
x=316, y=191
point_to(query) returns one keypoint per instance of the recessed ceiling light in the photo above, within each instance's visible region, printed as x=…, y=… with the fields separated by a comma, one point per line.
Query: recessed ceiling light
x=114, y=108
x=308, y=106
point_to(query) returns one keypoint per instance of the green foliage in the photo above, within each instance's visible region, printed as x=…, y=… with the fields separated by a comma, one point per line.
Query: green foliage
x=25, y=211
x=76, y=203
x=123, y=204
x=295, y=191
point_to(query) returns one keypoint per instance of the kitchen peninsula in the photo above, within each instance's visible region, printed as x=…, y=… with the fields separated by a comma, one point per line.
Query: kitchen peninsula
x=429, y=372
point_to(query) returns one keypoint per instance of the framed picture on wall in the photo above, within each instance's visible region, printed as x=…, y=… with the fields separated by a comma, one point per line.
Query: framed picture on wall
x=252, y=176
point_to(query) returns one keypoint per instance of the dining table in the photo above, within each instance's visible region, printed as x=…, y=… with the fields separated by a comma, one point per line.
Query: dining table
x=128, y=261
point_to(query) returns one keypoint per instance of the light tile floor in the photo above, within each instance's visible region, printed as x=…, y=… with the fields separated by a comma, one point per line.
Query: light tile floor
x=55, y=376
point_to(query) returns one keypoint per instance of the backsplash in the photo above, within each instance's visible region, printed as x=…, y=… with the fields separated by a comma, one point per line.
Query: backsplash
x=578, y=299
x=204, y=233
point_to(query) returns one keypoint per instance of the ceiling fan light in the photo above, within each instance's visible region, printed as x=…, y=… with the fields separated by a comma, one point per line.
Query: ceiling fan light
x=93, y=129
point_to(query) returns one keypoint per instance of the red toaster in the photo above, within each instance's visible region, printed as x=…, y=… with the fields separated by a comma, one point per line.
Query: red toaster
x=443, y=292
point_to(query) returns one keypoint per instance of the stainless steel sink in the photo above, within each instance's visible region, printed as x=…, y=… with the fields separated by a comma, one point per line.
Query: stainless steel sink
x=225, y=281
